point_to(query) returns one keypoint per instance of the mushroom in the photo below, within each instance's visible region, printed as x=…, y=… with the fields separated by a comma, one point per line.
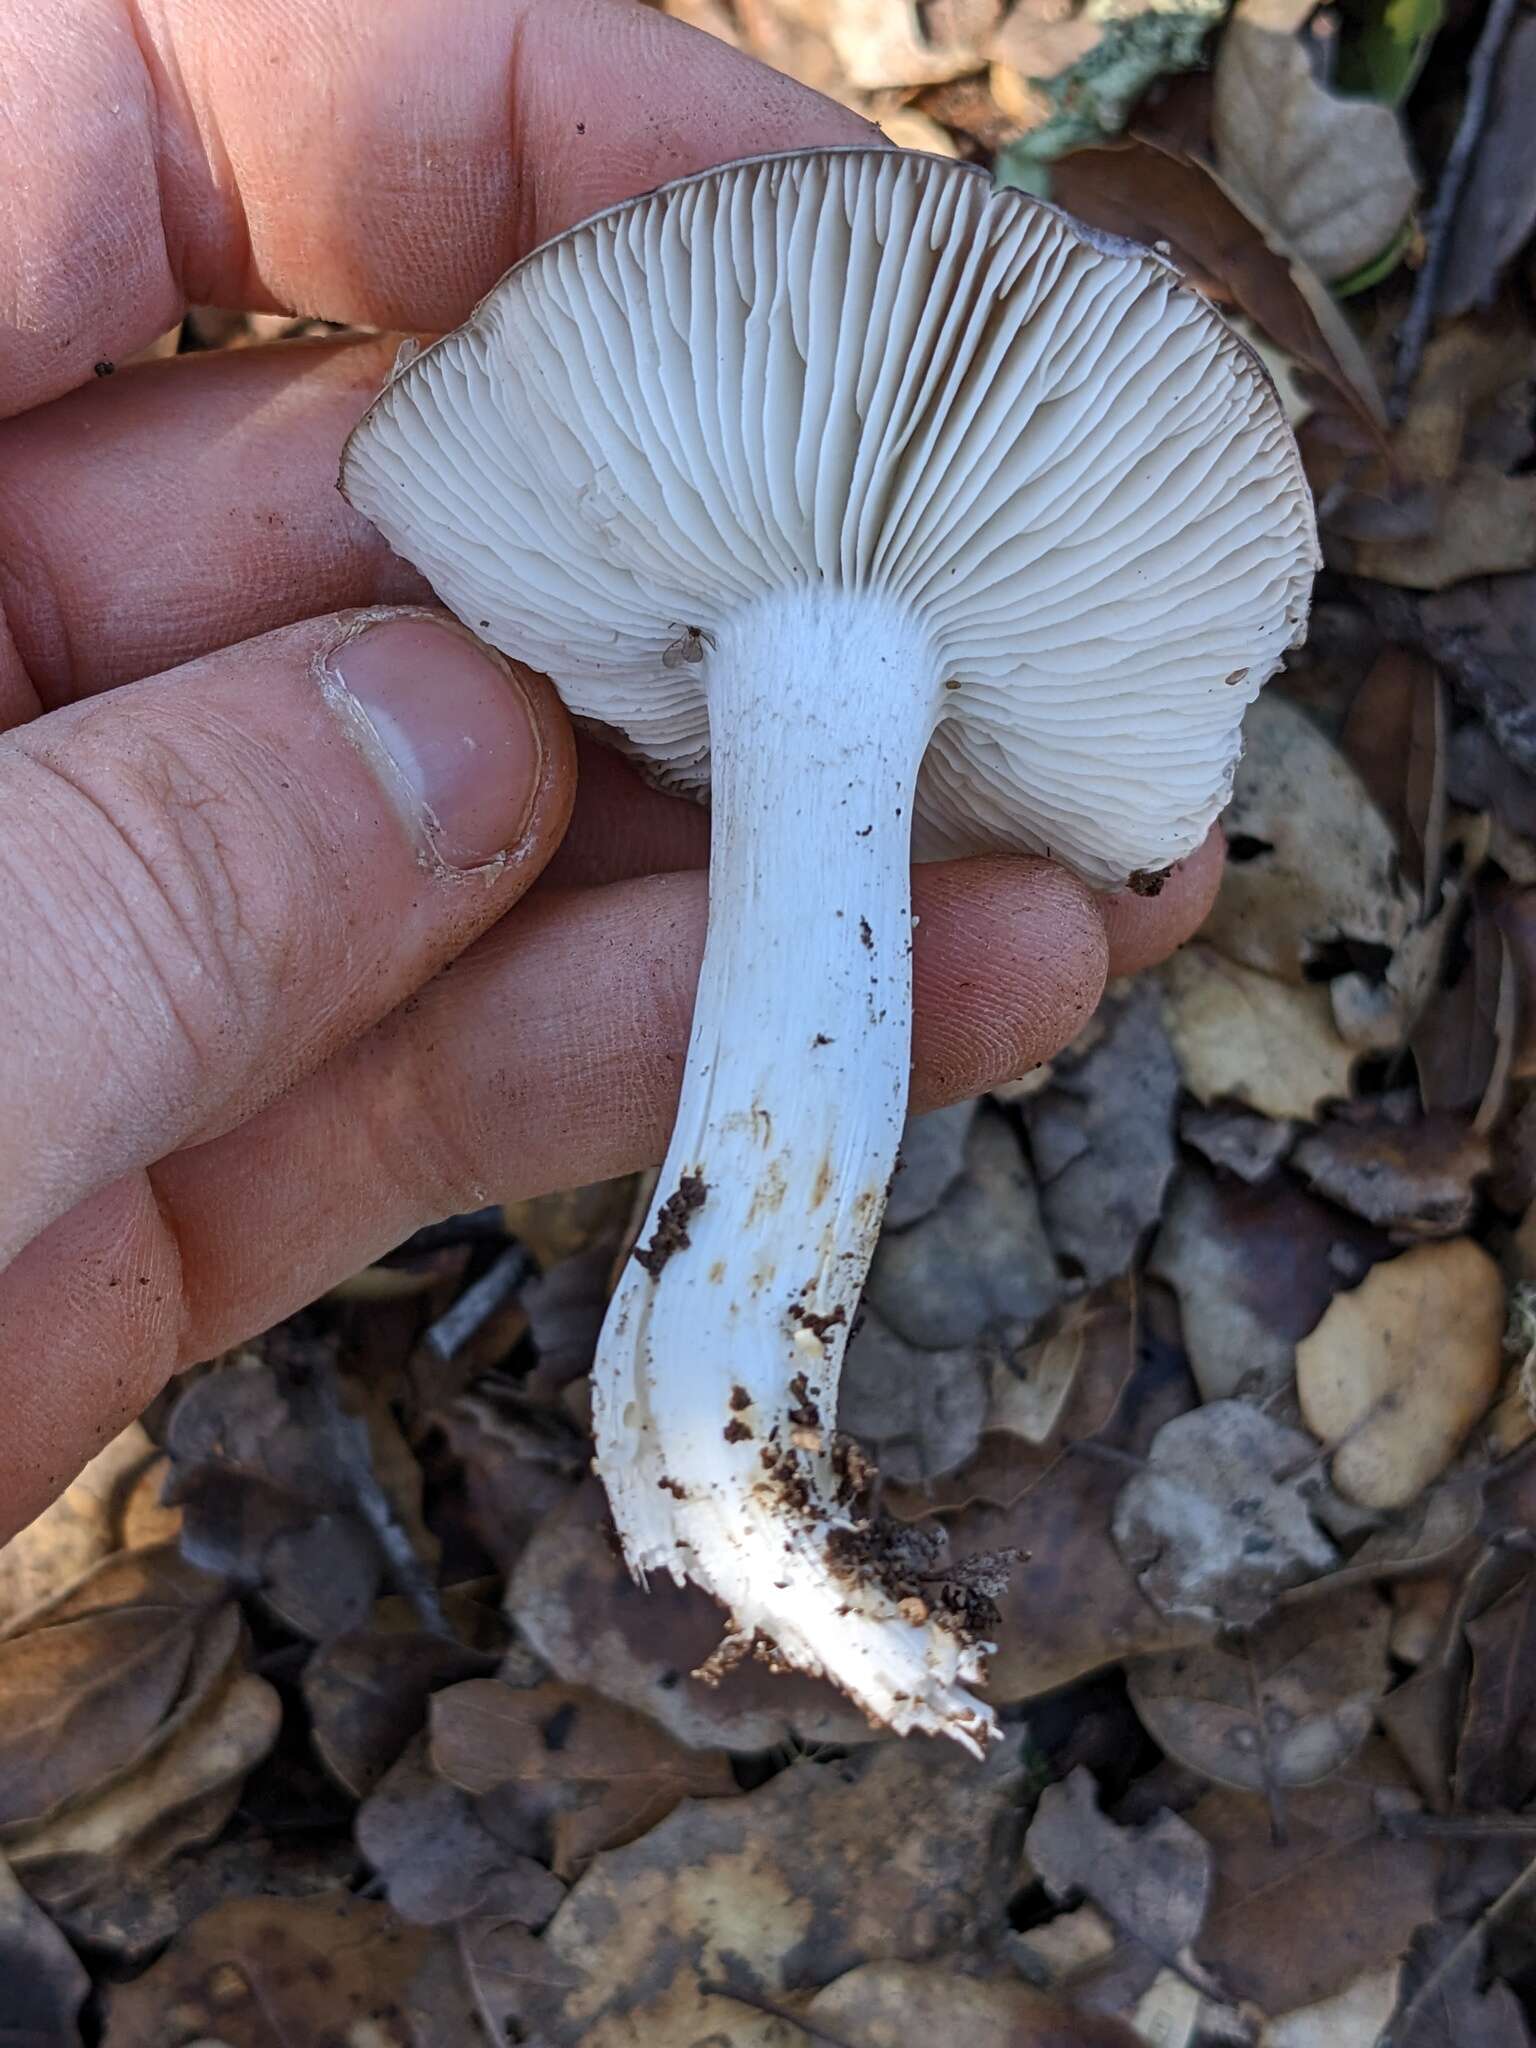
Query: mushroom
x=901, y=516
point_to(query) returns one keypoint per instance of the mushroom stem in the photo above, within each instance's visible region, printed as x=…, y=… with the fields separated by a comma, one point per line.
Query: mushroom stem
x=716, y=1378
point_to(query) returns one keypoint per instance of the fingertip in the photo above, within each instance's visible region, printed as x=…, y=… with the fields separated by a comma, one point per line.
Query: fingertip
x=1141, y=930
x=1011, y=958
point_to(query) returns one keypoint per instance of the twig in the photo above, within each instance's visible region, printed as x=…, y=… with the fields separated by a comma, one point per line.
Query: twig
x=354, y=1455
x=1414, y=336
x=1442, y=1827
x=497, y=1285
x=1512, y=1896
x=774, y=2011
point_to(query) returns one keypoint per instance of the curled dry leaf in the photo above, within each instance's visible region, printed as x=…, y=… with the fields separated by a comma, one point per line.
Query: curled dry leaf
x=1220, y=1521
x=1496, y=1750
x=1395, y=736
x=256, y=1972
x=1152, y=1883
x=892, y=1853
x=572, y=1597
x=87, y=1680
x=1244, y=1037
x=1283, y=1705
x=1331, y=177
x=1102, y=1141
x=594, y=1775
x=1401, y=1368
x=1168, y=200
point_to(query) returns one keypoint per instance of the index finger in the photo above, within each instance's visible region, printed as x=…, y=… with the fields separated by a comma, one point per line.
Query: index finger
x=378, y=165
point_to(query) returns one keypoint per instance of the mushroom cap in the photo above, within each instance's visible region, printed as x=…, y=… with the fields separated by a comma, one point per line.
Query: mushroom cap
x=870, y=371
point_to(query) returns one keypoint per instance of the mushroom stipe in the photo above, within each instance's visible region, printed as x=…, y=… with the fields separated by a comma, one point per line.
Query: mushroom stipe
x=900, y=517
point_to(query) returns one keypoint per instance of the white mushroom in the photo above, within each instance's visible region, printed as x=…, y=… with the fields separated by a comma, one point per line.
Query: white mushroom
x=896, y=514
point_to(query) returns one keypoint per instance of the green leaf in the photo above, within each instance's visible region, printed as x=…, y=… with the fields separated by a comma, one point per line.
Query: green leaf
x=1384, y=45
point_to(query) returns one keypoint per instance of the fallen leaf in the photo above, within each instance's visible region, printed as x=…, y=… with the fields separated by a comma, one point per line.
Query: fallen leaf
x=890, y=2005
x=1395, y=736
x=1313, y=881
x=882, y=43
x=179, y=1793
x=1483, y=634
x=1167, y=199
x=1300, y=1920
x=520, y=1459
x=573, y=1599
x=42, y=1982
x=438, y=1859
x=1498, y=204
x=87, y=1679
x=1153, y=1883
x=1283, y=1705
x=1496, y=1753
x=1351, y=2019
x=1244, y=1037
x=367, y=1695
x=894, y=1853
x=1238, y=1140
x=1485, y=526
x=1464, y=1042
x=1447, y=2001
x=1416, y=1180
x=1101, y=1139
x=931, y=1160
x=1220, y=1520
x=980, y=1257
x=1253, y=1269
x=259, y=1973
x=77, y=1531
x=918, y=1414
x=595, y=1774
x=1331, y=176
x=1400, y=1369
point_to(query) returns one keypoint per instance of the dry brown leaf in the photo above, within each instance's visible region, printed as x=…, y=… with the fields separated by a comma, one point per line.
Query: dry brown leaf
x=1153, y=1883
x=1447, y=2001
x=1485, y=525
x=1253, y=1268
x=367, y=1695
x=1496, y=1752
x=917, y=1413
x=1302, y=1919
x=1239, y=1140
x=42, y=1982
x=1464, y=1041
x=1353, y=2018
x=1166, y=199
x=891, y=2005
x=883, y=43
x=572, y=1597
x=594, y=1773
x=179, y=1794
x=1220, y=1519
x=1313, y=881
x=77, y=1531
x=1286, y=1704
x=1331, y=177
x=1395, y=736
x=264, y=1973
x=88, y=1679
x=1417, y=1179
x=438, y=1858
x=896, y=1852
x=1244, y=1037
x=1400, y=1369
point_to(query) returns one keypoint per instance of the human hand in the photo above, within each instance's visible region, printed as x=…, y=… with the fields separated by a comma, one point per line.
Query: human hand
x=235, y=1062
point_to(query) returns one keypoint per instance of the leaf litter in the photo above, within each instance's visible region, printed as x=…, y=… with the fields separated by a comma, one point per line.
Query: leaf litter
x=327, y=1707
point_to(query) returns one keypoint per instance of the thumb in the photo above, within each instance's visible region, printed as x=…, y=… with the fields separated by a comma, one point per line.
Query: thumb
x=214, y=879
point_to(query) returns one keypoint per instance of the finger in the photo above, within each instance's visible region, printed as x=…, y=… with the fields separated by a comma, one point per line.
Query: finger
x=547, y=1056
x=1145, y=929
x=380, y=165
x=214, y=879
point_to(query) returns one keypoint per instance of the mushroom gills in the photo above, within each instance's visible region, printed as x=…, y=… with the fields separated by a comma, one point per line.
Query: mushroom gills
x=715, y=1385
